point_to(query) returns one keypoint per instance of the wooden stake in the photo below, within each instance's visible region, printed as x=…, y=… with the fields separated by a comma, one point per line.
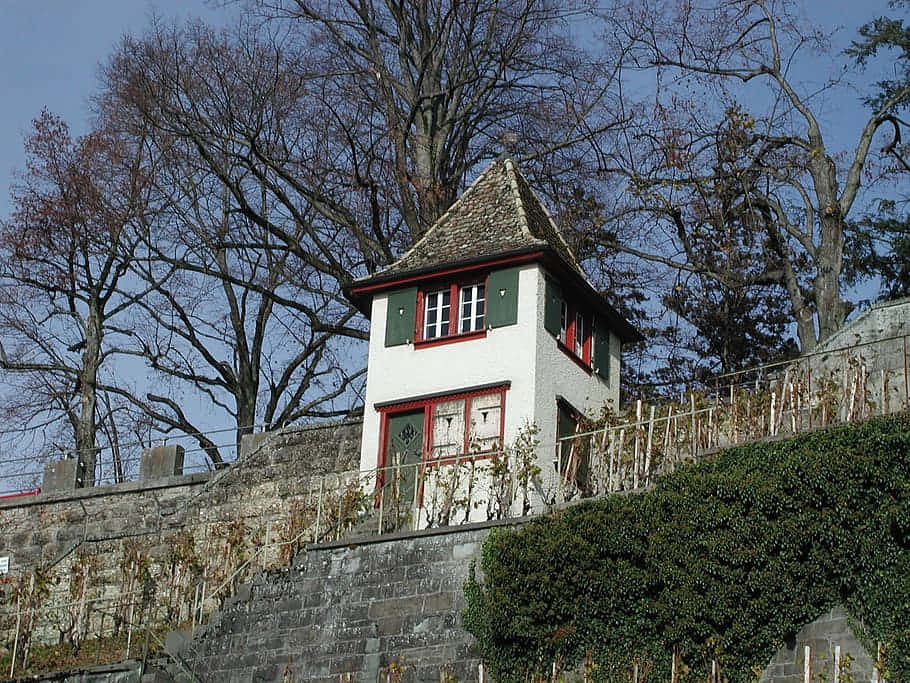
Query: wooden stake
x=622, y=438
x=884, y=399
x=694, y=437
x=636, y=454
x=772, y=421
x=612, y=466
x=906, y=379
x=648, y=448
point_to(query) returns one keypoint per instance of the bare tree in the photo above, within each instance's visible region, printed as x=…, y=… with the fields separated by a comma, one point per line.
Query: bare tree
x=296, y=163
x=66, y=252
x=697, y=139
x=218, y=325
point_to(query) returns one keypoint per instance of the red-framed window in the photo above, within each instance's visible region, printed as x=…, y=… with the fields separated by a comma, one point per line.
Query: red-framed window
x=575, y=332
x=454, y=425
x=451, y=311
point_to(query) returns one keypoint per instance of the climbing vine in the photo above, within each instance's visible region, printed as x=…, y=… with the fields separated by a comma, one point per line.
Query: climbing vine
x=721, y=561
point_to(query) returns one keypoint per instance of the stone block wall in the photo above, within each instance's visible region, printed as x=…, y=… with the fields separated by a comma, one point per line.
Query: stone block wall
x=181, y=530
x=348, y=613
x=873, y=351
x=822, y=636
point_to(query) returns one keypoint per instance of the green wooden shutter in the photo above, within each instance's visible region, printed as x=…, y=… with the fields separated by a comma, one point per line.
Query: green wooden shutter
x=502, y=298
x=401, y=317
x=552, y=308
x=601, y=360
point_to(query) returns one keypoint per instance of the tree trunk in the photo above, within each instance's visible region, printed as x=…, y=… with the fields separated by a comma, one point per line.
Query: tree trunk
x=86, y=427
x=830, y=308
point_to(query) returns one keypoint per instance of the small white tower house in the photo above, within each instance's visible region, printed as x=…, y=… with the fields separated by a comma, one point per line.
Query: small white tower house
x=487, y=323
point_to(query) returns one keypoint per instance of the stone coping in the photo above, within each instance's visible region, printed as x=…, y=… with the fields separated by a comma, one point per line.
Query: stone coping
x=122, y=488
x=354, y=541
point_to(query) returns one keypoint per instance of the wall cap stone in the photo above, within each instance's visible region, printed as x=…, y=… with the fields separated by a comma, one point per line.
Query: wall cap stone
x=356, y=541
x=125, y=487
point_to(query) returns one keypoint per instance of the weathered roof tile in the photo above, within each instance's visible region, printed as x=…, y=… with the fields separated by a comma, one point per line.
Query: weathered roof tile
x=498, y=214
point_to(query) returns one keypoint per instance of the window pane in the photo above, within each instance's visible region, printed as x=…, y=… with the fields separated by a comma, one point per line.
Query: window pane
x=448, y=428
x=472, y=308
x=579, y=334
x=436, y=314
x=486, y=413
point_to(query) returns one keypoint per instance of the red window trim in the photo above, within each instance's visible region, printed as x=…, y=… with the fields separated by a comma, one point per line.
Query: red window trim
x=568, y=347
x=454, y=287
x=482, y=268
x=429, y=406
x=580, y=362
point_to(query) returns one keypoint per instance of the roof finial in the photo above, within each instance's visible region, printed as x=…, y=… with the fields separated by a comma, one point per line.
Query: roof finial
x=509, y=143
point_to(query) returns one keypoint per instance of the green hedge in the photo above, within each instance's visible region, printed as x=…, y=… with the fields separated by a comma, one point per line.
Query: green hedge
x=723, y=560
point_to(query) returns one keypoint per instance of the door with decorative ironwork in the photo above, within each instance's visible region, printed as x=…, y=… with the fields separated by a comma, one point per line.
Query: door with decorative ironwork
x=404, y=450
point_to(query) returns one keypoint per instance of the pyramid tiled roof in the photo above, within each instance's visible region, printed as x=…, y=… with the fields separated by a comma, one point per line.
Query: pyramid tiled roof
x=497, y=216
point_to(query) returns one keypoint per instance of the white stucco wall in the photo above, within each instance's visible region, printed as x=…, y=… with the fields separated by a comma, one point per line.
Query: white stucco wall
x=524, y=354
x=506, y=354
x=559, y=375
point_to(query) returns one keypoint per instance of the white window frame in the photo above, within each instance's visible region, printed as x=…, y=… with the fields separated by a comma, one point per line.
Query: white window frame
x=580, y=332
x=434, y=330
x=474, y=321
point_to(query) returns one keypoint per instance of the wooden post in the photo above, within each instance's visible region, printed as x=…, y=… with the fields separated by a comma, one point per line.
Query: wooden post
x=772, y=421
x=12, y=665
x=852, y=404
x=709, y=438
x=794, y=407
x=648, y=447
x=381, y=504
x=636, y=454
x=884, y=399
x=612, y=473
x=667, y=433
x=622, y=439
x=809, y=389
x=906, y=380
x=129, y=626
x=807, y=665
x=319, y=508
x=837, y=664
x=694, y=436
x=560, y=490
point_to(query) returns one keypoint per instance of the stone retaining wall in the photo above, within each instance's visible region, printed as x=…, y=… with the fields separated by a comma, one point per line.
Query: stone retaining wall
x=175, y=530
x=347, y=613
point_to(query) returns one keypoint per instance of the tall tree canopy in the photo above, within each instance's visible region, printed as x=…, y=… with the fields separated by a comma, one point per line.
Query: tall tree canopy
x=304, y=150
x=731, y=130
x=78, y=224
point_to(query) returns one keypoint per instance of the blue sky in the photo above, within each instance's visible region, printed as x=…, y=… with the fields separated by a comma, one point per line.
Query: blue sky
x=49, y=56
x=50, y=51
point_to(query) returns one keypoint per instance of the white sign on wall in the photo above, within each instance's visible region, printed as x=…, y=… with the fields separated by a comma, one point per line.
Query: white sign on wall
x=4, y=565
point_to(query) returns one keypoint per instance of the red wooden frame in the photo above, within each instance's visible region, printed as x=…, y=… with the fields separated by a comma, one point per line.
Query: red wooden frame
x=452, y=273
x=454, y=287
x=568, y=347
x=429, y=407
